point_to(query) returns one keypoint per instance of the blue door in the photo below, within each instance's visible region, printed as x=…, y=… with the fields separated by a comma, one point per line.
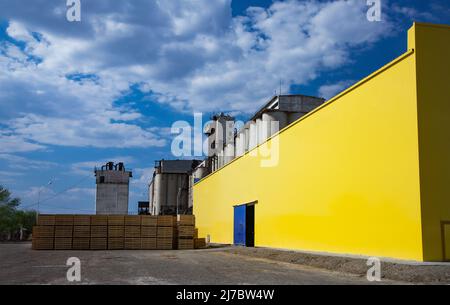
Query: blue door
x=239, y=225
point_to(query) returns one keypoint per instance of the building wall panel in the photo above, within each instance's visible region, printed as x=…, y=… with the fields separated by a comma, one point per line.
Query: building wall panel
x=347, y=180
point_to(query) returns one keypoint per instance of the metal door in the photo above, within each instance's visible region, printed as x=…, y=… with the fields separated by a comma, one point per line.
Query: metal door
x=239, y=225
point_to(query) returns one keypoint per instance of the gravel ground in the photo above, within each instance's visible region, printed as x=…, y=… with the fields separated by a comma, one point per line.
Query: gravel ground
x=410, y=272
x=20, y=265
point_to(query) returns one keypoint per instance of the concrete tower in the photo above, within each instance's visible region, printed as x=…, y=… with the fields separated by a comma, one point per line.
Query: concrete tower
x=113, y=183
x=220, y=132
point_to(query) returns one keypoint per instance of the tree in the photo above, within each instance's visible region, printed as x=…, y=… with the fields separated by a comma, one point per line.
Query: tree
x=5, y=198
x=25, y=220
x=12, y=219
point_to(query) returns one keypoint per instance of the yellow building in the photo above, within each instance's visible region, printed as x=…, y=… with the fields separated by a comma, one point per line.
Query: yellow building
x=367, y=173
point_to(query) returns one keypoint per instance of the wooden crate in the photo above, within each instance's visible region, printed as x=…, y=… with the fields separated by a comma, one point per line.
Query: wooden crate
x=132, y=231
x=186, y=220
x=199, y=243
x=149, y=221
x=81, y=244
x=63, y=220
x=82, y=220
x=116, y=220
x=166, y=232
x=165, y=243
x=116, y=232
x=81, y=231
x=43, y=244
x=132, y=243
x=185, y=244
x=148, y=244
x=99, y=220
x=63, y=243
x=149, y=232
x=46, y=220
x=99, y=243
x=116, y=243
x=63, y=231
x=43, y=232
x=166, y=221
x=99, y=231
x=132, y=220
x=196, y=233
x=186, y=232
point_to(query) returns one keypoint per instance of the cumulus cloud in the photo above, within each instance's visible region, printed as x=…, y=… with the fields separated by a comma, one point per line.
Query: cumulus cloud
x=330, y=90
x=22, y=163
x=14, y=143
x=86, y=168
x=143, y=176
x=413, y=13
x=75, y=200
x=61, y=80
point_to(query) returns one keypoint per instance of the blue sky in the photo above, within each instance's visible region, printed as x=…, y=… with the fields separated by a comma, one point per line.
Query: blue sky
x=75, y=95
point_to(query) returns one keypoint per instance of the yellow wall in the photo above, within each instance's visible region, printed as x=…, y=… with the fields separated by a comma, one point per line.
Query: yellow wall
x=432, y=44
x=348, y=176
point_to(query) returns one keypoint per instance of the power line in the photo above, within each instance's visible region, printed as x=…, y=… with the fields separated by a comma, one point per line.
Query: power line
x=59, y=193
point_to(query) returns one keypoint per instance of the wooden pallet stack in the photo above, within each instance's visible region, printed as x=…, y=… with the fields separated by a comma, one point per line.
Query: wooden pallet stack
x=99, y=232
x=44, y=233
x=132, y=232
x=149, y=232
x=81, y=232
x=116, y=232
x=166, y=233
x=186, y=232
x=63, y=232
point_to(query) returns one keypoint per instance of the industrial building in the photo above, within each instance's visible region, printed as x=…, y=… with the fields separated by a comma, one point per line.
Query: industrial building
x=113, y=184
x=225, y=144
x=366, y=173
x=169, y=190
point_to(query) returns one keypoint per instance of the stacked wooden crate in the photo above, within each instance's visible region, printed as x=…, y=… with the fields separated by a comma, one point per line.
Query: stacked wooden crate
x=199, y=243
x=44, y=233
x=149, y=231
x=132, y=232
x=186, y=232
x=63, y=232
x=166, y=233
x=99, y=232
x=81, y=232
x=116, y=232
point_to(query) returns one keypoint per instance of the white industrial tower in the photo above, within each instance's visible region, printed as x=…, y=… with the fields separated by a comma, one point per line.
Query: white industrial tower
x=113, y=183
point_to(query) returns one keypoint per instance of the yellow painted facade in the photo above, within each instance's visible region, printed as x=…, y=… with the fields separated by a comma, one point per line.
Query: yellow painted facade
x=367, y=173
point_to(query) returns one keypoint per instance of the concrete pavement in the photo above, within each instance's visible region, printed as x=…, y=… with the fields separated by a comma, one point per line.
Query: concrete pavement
x=20, y=265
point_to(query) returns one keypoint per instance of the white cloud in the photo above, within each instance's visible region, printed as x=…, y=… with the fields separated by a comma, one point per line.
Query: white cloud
x=75, y=200
x=142, y=177
x=329, y=91
x=191, y=55
x=14, y=143
x=91, y=131
x=21, y=163
x=87, y=167
x=76, y=192
x=9, y=177
x=413, y=13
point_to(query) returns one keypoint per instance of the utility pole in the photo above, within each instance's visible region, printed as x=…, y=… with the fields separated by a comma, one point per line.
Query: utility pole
x=39, y=197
